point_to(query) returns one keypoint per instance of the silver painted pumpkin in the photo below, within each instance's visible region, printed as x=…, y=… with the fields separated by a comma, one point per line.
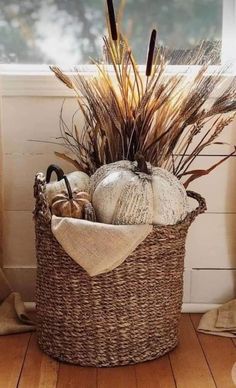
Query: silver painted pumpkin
x=123, y=194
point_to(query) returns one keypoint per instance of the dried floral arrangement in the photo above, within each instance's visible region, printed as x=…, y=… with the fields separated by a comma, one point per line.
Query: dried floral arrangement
x=154, y=114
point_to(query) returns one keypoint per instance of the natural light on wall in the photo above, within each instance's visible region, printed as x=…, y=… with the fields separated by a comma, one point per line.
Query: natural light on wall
x=69, y=32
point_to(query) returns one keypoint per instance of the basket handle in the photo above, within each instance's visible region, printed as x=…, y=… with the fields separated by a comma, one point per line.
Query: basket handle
x=54, y=168
x=41, y=209
x=202, y=207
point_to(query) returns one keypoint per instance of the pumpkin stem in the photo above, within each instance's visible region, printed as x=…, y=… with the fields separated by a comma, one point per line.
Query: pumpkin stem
x=54, y=168
x=70, y=194
x=141, y=163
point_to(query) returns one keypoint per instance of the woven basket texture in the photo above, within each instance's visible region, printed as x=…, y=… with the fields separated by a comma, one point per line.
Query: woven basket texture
x=125, y=316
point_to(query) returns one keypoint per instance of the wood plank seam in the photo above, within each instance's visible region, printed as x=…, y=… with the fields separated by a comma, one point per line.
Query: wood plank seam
x=135, y=376
x=175, y=382
x=203, y=351
x=57, y=375
x=188, y=360
x=60, y=375
x=23, y=361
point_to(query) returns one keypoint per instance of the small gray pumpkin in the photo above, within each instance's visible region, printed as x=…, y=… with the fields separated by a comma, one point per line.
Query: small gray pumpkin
x=78, y=181
x=73, y=204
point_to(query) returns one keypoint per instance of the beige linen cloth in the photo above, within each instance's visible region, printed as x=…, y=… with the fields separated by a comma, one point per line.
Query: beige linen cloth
x=97, y=247
x=13, y=315
x=220, y=321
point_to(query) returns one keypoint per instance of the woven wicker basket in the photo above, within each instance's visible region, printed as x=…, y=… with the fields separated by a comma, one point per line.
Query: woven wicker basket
x=125, y=316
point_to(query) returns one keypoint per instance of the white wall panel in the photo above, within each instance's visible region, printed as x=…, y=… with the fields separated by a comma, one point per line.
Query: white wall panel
x=22, y=280
x=212, y=286
x=211, y=242
x=18, y=239
x=27, y=118
x=219, y=187
x=19, y=173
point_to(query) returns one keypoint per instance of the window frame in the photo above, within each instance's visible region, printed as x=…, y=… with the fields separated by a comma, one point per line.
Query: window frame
x=38, y=80
x=229, y=32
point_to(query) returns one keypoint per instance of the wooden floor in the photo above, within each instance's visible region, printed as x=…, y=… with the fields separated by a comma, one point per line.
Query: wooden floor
x=200, y=361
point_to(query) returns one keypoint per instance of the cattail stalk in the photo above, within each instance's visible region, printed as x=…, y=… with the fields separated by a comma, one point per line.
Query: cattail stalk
x=112, y=20
x=151, y=50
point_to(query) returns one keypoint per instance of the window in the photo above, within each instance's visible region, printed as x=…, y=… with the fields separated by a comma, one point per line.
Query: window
x=70, y=31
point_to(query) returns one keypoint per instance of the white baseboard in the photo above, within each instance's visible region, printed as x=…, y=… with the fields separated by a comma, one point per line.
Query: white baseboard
x=187, y=307
x=198, y=307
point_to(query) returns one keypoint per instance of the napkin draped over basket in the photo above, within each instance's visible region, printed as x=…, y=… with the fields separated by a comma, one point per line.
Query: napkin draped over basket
x=127, y=315
x=97, y=247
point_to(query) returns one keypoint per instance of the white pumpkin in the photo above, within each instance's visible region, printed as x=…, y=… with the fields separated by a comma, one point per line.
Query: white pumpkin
x=123, y=195
x=78, y=180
